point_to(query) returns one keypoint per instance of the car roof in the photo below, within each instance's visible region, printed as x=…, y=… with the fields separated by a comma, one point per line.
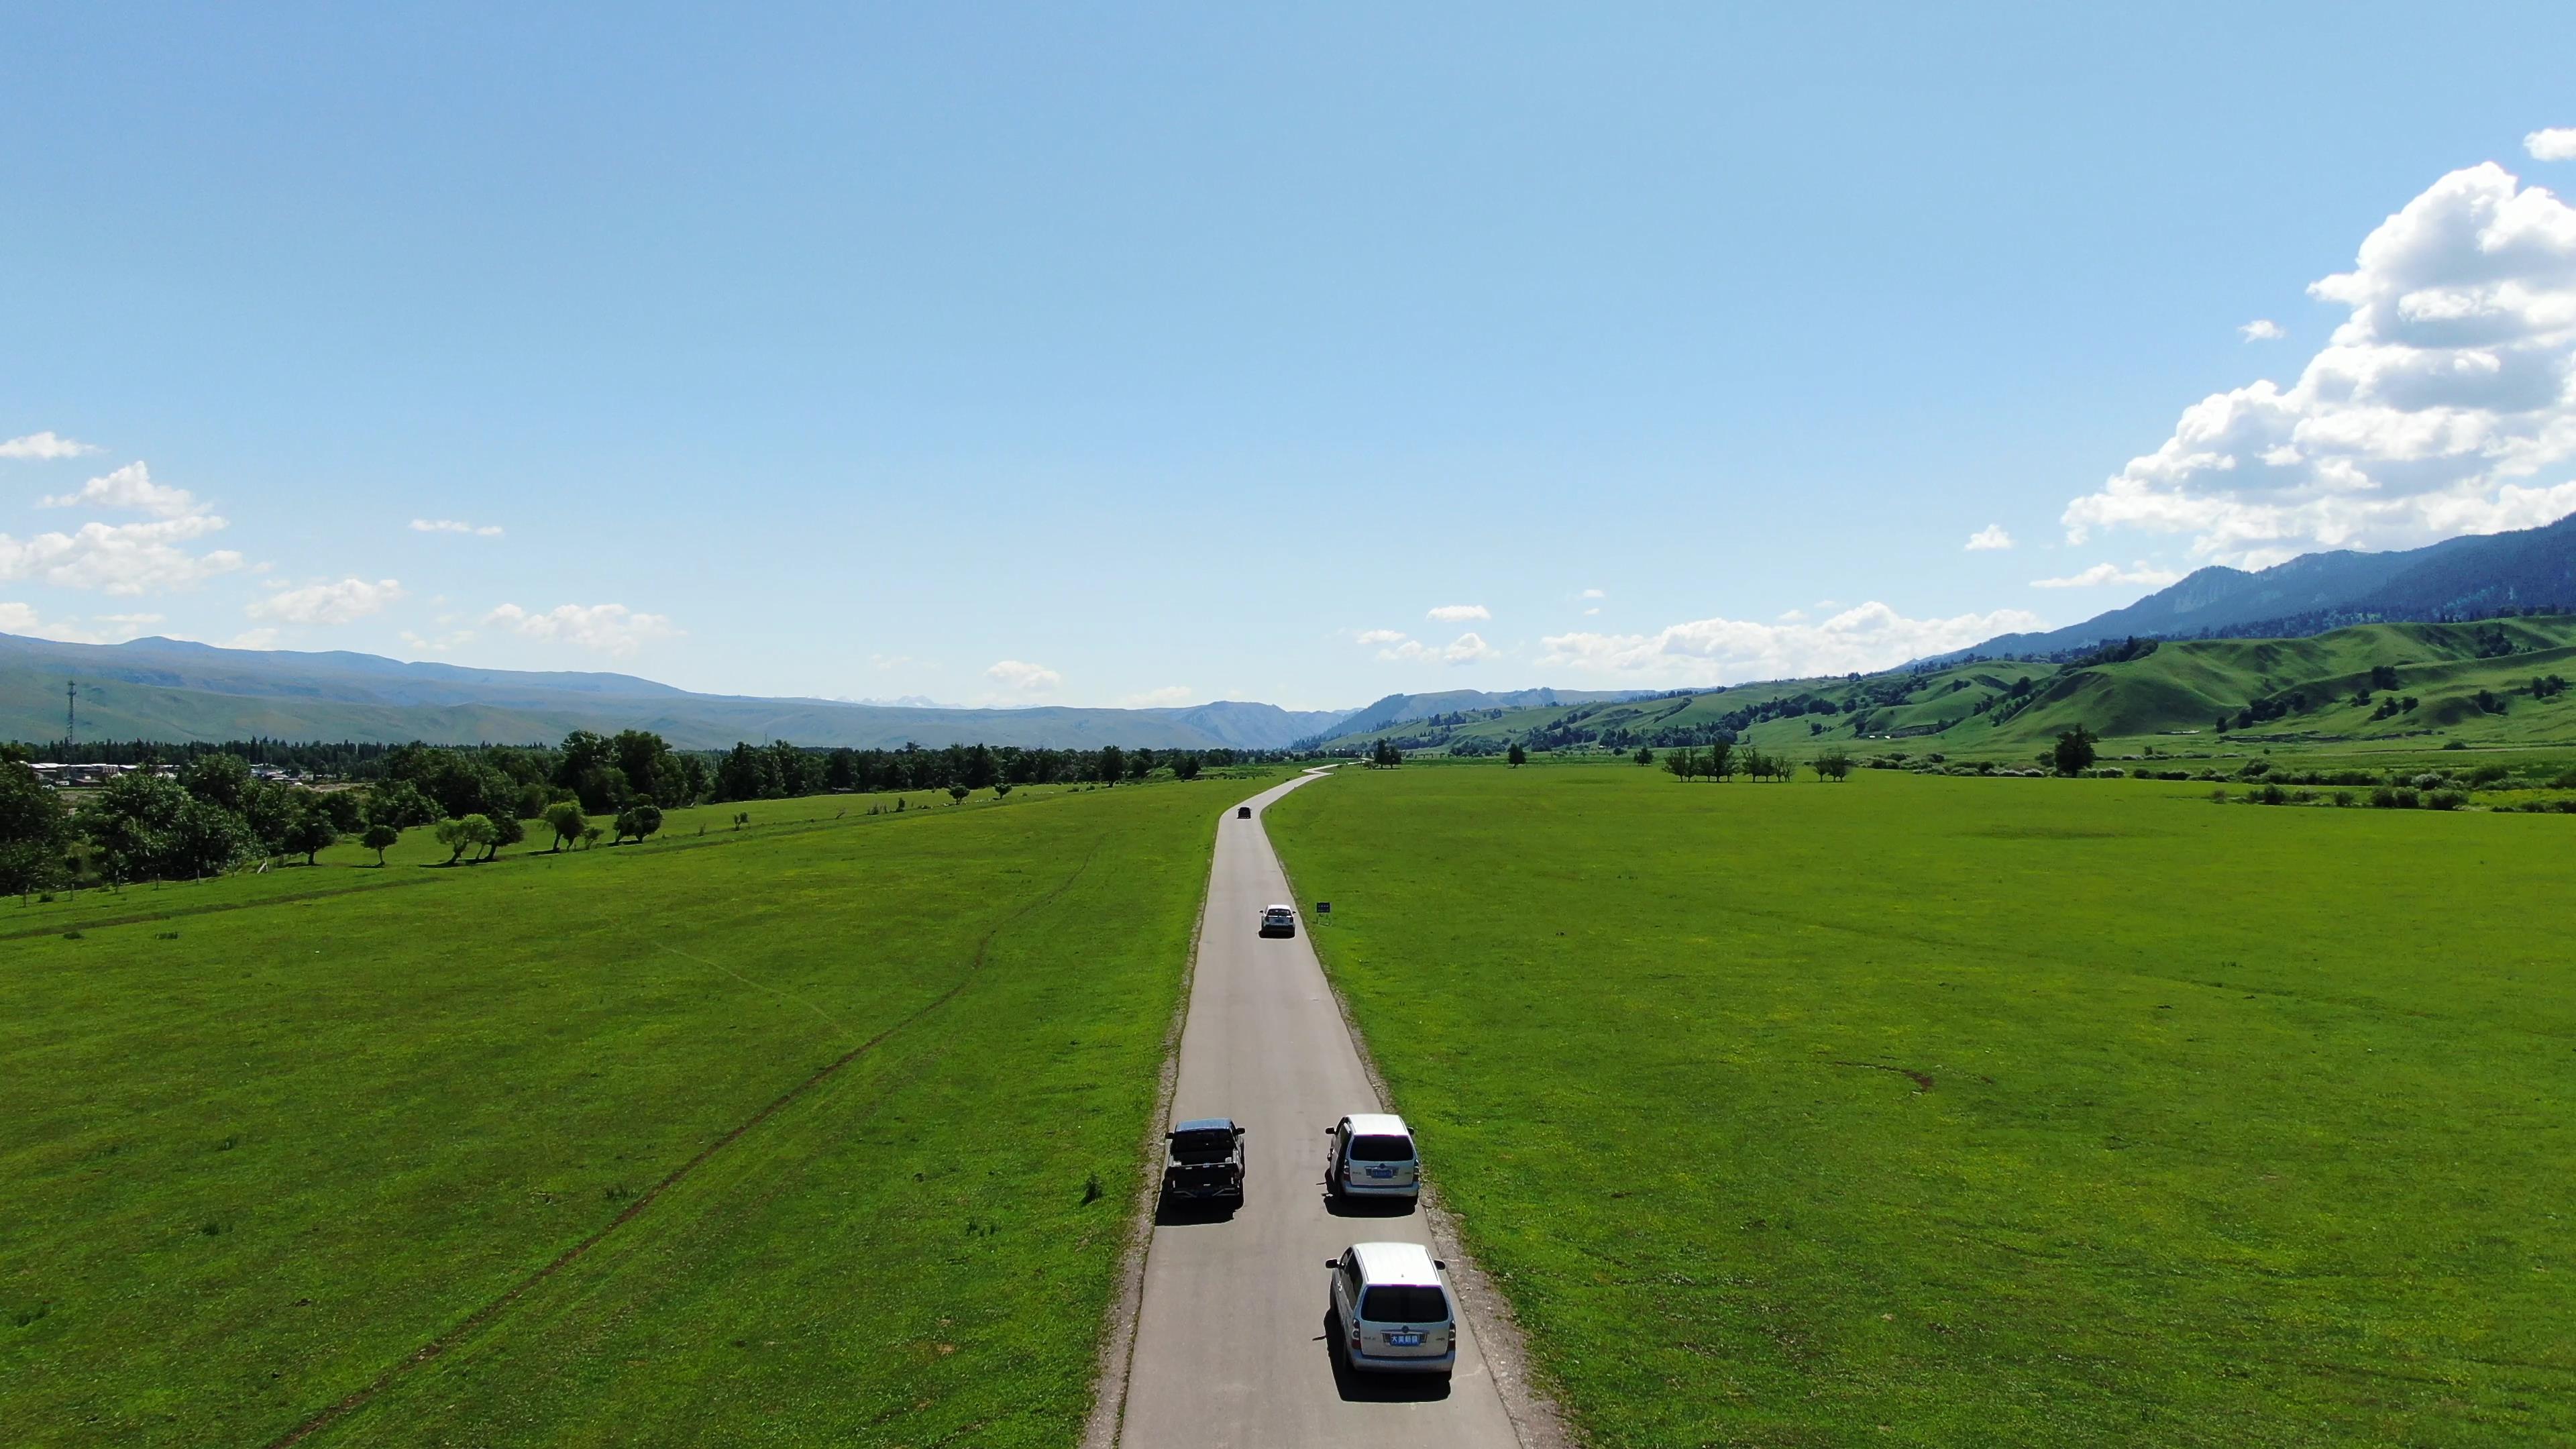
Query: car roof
x=1205, y=1124
x=1402, y=1263
x=1378, y=1124
x=1292, y=910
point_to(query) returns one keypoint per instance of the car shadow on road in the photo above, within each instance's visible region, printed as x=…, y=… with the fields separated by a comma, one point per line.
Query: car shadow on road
x=1177, y=1212
x=1384, y=1388
x=1367, y=1207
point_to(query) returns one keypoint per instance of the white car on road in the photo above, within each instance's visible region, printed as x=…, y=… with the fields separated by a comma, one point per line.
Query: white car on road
x=1391, y=1312
x=1373, y=1156
x=1279, y=920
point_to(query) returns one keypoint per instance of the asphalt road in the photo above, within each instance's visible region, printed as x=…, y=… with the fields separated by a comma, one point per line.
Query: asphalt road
x=1230, y=1350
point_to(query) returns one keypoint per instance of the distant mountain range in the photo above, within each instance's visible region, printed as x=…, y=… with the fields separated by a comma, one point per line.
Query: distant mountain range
x=1398, y=709
x=2455, y=579
x=170, y=689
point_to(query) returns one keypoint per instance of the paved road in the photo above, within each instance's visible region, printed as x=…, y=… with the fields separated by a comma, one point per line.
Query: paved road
x=1230, y=1349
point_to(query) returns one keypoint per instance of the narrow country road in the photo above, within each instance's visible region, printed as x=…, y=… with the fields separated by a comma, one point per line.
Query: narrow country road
x=1229, y=1348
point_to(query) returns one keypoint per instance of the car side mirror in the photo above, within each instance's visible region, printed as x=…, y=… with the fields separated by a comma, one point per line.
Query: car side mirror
x=1332, y=1262
x=1436, y=1263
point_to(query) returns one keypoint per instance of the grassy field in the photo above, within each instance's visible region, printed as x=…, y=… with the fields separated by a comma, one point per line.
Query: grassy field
x=1962, y=1112
x=823, y=1131
x=2169, y=698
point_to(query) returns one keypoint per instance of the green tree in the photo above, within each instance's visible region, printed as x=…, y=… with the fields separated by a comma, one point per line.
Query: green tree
x=2074, y=750
x=310, y=835
x=380, y=838
x=33, y=831
x=464, y=833
x=957, y=794
x=218, y=779
x=1833, y=764
x=565, y=819
x=590, y=836
x=1185, y=767
x=638, y=821
x=1644, y=755
x=1113, y=764
x=1516, y=756
x=400, y=804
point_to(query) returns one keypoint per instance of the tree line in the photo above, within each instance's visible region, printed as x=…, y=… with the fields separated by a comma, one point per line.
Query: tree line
x=210, y=813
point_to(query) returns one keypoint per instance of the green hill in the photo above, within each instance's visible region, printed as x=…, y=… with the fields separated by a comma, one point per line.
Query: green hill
x=2472, y=682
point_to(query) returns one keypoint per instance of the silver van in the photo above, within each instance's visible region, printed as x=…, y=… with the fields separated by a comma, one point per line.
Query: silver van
x=1372, y=1156
x=1391, y=1313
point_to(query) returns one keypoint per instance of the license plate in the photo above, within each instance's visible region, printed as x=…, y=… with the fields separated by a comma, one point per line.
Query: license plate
x=1405, y=1340
x=1381, y=1172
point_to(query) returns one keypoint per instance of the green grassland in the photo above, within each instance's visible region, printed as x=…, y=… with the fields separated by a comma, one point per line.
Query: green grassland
x=821, y=1131
x=2171, y=698
x=1963, y=1112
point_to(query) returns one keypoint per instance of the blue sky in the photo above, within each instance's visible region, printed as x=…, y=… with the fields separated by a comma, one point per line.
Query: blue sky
x=1015, y=356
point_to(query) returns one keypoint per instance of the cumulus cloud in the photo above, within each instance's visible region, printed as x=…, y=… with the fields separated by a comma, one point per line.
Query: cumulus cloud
x=130, y=488
x=2558, y=143
x=22, y=619
x=600, y=628
x=122, y=558
x=1025, y=677
x=439, y=644
x=1163, y=698
x=2262, y=329
x=2140, y=572
x=1992, y=536
x=1458, y=613
x=2442, y=405
x=1716, y=651
x=253, y=639
x=327, y=603
x=1404, y=649
x=454, y=525
x=1592, y=594
x=44, y=446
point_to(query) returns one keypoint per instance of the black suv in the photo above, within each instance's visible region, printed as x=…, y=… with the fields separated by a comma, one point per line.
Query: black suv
x=1203, y=1157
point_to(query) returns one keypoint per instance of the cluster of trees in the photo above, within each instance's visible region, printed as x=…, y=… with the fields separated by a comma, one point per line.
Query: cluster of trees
x=780, y=770
x=208, y=817
x=1385, y=756
x=1723, y=760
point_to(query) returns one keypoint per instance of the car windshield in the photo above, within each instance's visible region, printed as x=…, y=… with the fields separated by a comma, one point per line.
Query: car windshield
x=1381, y=1149
x=1201, y=1146
x=1279, y=913
x=1404, y=1303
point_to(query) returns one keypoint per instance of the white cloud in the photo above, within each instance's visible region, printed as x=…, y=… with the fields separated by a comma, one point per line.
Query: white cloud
x=1163, y=698
x=439, y=645
x=327, y=603
x=1024, y=677
x=130, y=488
x=253, y=639
x=22, y=619
x=1793, y=616
x=2262, y=329
x=2558, y=143
x=2442, y=405
x=1592, y=594
x=122, y=558
x=454, y=525
x=2141, y=572
x=600, y=628
x=1465, y=649
x=1992, y=536
x=1458, y=613
x=1379, y=636
x=45, y=445
x=130, y=621
x=1710, y=651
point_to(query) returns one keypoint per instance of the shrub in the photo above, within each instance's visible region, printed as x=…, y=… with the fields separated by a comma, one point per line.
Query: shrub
x=2218, y=796
x=2445, y=800
x=2343, y=799
x=2432, y=781
x=2456, y=745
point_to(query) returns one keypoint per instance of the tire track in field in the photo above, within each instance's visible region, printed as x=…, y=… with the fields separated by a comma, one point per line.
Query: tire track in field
x=481, y=1317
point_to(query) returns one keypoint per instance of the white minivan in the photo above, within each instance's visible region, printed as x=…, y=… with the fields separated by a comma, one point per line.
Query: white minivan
x=1372, y=1156
x=1391, y=1312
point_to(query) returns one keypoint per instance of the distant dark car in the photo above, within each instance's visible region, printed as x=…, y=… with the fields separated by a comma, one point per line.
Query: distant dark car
x=1202, y=1158
x=1242, y=812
